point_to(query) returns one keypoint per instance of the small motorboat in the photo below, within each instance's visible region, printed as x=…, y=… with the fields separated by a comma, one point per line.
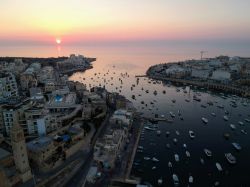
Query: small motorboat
x=241, y=123
x=190, y=179
x=176, y=157
x=225, y=118
x=236, y=146
x=208, y=152
x=146, y=158
x=172, y=114
x=230, y=158
x=170, y=164
x=187, y=153
x=155, y=159
x=185, y=145
x=176, y=180
x=213, y=114
x=159, y=181
x=167, y=133
x=205, y=120
x=202, y=160
x=175, y=140
x=232, y=126
x=218, y=166
x=191, y=134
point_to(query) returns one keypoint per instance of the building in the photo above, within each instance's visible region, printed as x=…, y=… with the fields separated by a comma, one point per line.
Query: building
x=200, y=73
x=8, y=86
x=47, y=74
x=221, y=75
x=176, y=71
x=9, y=176
x=20, y=151
x=109, y=147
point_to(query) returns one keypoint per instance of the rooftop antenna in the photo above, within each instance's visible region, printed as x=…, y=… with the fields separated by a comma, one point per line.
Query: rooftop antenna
x=202, y=52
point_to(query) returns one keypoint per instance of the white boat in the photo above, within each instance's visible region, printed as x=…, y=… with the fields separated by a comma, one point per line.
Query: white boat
x=187, y=153
x=218, y=166
x=230, y=158
x=185, y=145
x=202, y=160
x=170, y=164
x=205, y=120
x=149, y=128
x=236, y=146
x=244, y=131
x=177, y=133
x=232, y=126
x=167, y=133
x=220, y=106
x=168, y=145
x=247, y=120
x=146, y=158
x=154, y=167
x=172, y=114
x=190, y=179
x=175, y=140
x=159, y=181
x=176, y=180
x=241, y=123
x=176, y=157
x=179, y=112
x=225, y=118
x=213, y=114
x=158, y=132
x=155, y=159
x=191, y=134
x=208, y=152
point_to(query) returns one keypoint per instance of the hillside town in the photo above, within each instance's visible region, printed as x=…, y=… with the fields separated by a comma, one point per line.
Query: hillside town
x=229, y=74
x=51, y=127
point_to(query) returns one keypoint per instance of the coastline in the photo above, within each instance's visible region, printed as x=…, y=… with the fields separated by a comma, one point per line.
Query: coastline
x=182, y=73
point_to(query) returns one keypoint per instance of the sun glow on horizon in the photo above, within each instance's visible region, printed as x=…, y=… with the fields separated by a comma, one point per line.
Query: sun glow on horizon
x=58, y=41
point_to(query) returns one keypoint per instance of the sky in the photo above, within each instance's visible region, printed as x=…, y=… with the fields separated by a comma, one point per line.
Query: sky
x=25, y=22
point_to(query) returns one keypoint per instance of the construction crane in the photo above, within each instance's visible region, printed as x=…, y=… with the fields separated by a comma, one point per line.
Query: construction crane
x=202, y=52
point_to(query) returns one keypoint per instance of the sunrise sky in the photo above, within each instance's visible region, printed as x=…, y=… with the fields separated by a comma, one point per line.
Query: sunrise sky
x=78, y=21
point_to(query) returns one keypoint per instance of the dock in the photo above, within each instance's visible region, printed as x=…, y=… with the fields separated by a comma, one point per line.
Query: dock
x=138, y=76
x=131, y=160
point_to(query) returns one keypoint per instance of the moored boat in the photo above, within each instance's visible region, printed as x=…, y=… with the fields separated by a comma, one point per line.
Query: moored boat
x=230, y=158
x=205, y=120
x=225, y=118
x=236, y=146
x=190, y=179
x=176, y=157
x=208, y=152
x=191, y=134
x=176, y=180
x=155, y=159
x=159, y=181
x=172, y=114
x=175, y=140
x=187, y=153
x=232, y=126
x=218, y=166
x=170, y=164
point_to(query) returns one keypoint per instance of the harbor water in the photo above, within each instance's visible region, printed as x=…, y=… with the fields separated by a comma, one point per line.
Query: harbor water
x=152, y=98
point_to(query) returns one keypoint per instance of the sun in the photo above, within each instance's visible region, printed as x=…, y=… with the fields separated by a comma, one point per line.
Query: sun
x=58, y=41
